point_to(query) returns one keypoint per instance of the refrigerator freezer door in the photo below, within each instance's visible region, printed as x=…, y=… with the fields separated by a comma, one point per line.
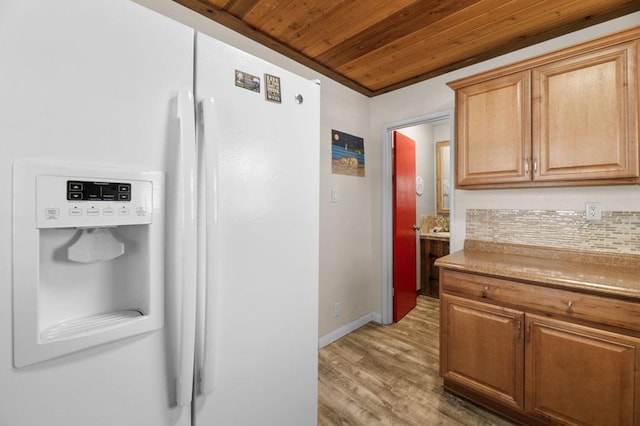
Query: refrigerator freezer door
x=262, y=195
x=89, y=82
x=70, y=295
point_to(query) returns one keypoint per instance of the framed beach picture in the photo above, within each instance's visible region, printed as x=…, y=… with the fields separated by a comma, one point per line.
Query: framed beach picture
x=347, y=154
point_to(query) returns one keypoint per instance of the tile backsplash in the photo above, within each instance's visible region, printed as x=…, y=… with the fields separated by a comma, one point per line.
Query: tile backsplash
x=427, y=223
x=617, y=232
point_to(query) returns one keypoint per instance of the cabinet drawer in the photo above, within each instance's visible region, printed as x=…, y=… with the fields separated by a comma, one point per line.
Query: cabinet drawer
x=565, y=303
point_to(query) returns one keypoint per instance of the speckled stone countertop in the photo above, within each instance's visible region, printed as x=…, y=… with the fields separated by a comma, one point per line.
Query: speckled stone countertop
x=602, y=273
x=441, y=236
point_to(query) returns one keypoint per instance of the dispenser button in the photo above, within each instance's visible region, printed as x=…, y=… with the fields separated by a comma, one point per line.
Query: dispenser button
x=141, y=211
x=123, y=211
x=108, y=211
x=75, y=212
x=124, y=196
x=52, y=212
x=92, y=211
x=75, y=195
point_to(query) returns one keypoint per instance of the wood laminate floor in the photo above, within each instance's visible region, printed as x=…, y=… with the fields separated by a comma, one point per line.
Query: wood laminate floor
x=388, y=375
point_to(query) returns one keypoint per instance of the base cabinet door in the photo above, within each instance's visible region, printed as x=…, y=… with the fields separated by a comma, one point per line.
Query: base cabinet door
x=580, y=375
x=482, y=348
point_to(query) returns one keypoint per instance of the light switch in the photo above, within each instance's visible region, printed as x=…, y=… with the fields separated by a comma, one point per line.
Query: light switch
x=334, y=195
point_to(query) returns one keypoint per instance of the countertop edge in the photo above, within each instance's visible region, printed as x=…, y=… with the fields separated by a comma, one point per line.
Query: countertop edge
x=569, y=255
x=546, y=281
x=505, y=263
x=435, y=236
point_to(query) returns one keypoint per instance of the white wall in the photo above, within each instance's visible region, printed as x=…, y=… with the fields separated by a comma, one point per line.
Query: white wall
x=425, y=161
x=434, y=95
x=345, y=227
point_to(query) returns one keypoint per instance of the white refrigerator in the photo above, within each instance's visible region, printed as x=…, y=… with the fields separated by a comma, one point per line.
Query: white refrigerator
x=159, y=250
x=257, y=341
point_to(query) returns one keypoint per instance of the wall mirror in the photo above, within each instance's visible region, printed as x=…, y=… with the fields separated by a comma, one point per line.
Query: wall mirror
x=443, y=182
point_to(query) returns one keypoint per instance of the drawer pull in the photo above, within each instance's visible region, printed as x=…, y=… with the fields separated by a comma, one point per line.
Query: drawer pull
x=570, y=305
x=485, y=290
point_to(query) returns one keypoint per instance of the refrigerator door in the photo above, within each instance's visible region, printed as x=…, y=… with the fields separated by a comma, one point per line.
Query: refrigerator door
x=257, y=338
x=91, y=82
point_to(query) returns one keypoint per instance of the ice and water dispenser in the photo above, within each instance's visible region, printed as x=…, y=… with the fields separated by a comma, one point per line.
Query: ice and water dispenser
x=88, y=254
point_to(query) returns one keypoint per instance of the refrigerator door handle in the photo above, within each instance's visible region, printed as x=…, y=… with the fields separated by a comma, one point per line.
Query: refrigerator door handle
x=185, y=262
x=208, y=253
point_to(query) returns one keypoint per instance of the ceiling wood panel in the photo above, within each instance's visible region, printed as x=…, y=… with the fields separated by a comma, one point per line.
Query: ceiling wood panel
x=375, y=46
x=219, y=3
x=300, y=18
x=239, y=8
x=397, y=26
x=265, y=11
x=317, y=34
x=466, y=36
x=343, y=23
x=442, y=36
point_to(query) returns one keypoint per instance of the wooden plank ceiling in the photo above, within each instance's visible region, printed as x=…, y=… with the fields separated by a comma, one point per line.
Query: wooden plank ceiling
x=375, y=46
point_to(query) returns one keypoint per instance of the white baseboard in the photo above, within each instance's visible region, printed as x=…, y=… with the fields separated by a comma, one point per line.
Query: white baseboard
x=348, y=328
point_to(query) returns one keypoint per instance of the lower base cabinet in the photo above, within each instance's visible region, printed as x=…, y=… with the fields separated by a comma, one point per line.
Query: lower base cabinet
x=482, y=349
x=531, y=367
x=430, y=250
x=580, y=375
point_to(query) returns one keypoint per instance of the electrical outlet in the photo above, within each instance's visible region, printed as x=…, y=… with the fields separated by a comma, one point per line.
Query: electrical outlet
x=336, y=310
x=593, y=211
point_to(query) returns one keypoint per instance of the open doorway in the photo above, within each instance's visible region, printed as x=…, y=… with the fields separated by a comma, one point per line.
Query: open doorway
x=443, y=119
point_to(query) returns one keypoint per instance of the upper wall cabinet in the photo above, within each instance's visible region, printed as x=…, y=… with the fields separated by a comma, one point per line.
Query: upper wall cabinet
x=566, y=118
x=493, y=125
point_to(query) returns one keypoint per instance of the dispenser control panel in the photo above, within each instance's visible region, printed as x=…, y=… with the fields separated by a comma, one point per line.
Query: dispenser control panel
x=78, y=190
x=64, y=202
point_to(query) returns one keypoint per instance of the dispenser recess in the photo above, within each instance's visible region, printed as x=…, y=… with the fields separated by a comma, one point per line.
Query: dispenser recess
x=88, y=256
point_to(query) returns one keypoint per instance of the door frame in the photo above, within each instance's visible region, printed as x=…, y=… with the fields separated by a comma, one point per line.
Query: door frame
x=387, y=200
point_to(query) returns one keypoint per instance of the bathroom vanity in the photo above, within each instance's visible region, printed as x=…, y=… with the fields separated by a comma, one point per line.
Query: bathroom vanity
x=432, y=246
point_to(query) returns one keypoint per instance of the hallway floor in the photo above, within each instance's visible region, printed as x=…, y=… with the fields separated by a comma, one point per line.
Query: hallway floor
x=388, y=375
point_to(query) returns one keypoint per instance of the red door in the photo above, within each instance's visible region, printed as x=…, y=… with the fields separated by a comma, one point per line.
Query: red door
x=404, y=220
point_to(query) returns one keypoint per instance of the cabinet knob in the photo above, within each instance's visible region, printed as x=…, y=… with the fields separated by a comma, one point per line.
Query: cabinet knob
x=485, y=290
x=570, y=305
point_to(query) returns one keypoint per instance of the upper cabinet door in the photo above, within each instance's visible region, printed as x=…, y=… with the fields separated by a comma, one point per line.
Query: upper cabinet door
x=493, y=125
x=585, y=116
